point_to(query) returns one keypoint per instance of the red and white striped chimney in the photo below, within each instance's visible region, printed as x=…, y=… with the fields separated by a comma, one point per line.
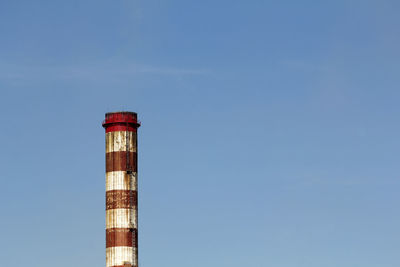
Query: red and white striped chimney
x=121, y=189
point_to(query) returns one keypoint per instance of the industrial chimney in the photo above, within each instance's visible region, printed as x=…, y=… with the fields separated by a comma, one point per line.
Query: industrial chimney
x=121, y=189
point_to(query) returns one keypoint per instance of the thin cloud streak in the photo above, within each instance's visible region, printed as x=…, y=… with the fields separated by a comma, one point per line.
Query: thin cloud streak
x=20, y=74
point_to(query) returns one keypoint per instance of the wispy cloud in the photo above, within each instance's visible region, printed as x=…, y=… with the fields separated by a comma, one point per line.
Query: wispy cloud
x=20, y=74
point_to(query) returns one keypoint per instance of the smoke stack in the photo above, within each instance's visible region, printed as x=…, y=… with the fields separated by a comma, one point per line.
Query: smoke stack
x=121, y=189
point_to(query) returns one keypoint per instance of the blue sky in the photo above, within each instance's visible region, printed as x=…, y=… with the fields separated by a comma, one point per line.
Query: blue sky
x=269, y=136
